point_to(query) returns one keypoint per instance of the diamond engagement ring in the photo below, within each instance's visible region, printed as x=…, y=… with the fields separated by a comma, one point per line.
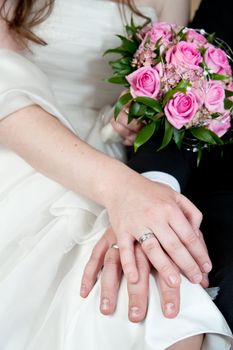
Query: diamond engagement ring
x=146, y=236
x=114, y=246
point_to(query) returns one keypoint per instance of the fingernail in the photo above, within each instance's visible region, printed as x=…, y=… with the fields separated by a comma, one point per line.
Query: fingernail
x=197, y=278
x=134, y=311
x=169, y=308
x=105, y=304
x=173, y=279
x=207, y=267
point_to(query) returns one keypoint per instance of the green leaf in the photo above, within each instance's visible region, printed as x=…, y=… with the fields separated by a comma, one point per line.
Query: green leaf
x=122, y=101
x=127, y=44
x=178, y=136
x=215, y=115
x=215, y=76
x=150, y=102
x=206, y=135
x=121, y=62
x=137, y=110
x=118, y=80
x=168, y=132
x=228, y=104
x=144, y=135
x=199, y=155
x=211, y=37
x=117, y=50
x=228, y=93
x=181, y=87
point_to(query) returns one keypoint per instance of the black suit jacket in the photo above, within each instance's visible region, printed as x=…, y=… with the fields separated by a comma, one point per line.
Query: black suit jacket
x=215, y=16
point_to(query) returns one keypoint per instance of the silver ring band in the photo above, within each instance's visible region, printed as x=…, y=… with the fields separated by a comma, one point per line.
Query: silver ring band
x=114, y=246
x=146, y=236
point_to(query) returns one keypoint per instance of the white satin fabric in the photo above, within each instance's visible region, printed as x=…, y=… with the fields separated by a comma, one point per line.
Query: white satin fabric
x=46, y=232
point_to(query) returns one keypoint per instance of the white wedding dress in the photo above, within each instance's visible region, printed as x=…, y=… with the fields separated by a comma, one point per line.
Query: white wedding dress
x=47, y=232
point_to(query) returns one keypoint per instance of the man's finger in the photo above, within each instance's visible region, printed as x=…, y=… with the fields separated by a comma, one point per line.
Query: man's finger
x=138, y=292
x=93, y=267
x=170, y=298
x=110, y=281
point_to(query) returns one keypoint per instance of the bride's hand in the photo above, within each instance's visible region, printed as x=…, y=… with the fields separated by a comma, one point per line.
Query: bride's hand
x=169, y=222
x=106, y=258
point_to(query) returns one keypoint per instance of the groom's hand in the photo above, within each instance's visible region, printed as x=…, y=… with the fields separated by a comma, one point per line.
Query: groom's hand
x=108, y=259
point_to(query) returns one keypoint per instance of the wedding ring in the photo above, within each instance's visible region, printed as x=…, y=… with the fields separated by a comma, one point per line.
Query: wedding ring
x=146, y=236
x=114, y=246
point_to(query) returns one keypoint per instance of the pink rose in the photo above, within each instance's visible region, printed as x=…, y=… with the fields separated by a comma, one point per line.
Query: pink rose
x=185, y=54
x=220, y=125
x=181, y=109
x=144, y=81
x=161, y=30
x=196, y=38
x=216, y=59
x=214, y=96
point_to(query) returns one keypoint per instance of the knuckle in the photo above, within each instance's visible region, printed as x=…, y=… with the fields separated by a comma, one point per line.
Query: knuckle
x=135, y=298
x=191, y=239
x=143, y=266
x=199, y=216
x=173, y=245
x=191, y=269
x=170, y=295
x=95, y=256
x=111, y=260
x=149, y=246
x=126, y=266
x=165, y=269
x=168, y=207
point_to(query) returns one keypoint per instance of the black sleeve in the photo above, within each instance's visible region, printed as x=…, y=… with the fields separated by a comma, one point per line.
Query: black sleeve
x=171, y=160
x=215, y=17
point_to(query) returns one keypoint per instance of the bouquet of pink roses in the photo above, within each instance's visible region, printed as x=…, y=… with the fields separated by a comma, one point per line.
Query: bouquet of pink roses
x=179, y=84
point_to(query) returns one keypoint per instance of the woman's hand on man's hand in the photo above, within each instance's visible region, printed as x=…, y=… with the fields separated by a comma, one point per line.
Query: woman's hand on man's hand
x=106, y=259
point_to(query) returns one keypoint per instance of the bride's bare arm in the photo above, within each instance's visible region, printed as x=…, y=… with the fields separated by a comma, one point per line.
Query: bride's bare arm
x=135, y=204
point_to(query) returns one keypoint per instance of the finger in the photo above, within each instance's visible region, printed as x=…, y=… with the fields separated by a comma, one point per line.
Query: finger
x=93, y=267
x=128, y=262
x=138, y=292
x=110, y=281
x=161, y=261
x=192, y=213
x=192, y=242
x=132, y=126
x=205, y=280
x=129, y=141
x=170, y=298
x=122, y=130
x=202, y=240
x=179, y=253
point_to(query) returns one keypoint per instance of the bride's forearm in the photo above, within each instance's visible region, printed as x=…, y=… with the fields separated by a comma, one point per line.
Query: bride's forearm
x=52, y=149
